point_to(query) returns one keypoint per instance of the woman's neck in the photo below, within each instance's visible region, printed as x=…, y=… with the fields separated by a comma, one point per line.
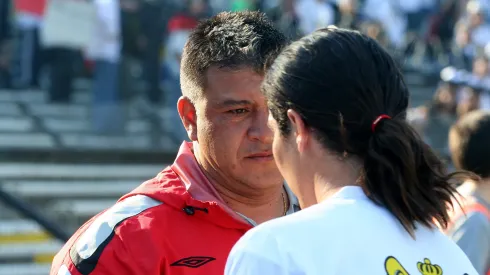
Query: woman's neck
x=329, y=179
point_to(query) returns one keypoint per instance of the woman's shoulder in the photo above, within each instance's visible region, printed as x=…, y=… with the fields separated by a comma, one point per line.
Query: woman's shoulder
x=326, y=217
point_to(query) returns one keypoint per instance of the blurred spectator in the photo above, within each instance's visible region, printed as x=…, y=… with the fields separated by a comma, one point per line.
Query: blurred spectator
x=5, y=52
x=130, y=48
x=5, y=43
x=470, y=227
x=375, y=30
x=417, y=13
x=480, y=30
x=5, y=25
x=285, y=18
x=105, y=51
x=218, y=6
x=314, y=14
x=462, y=50
x=151, y=39
x=243, y=5
x=28, y=20
x=440, y=115
x=179, y=28
x=442, y=23
x=349, y=16
x=470, y=100
x=480, y=67
x=391, y=19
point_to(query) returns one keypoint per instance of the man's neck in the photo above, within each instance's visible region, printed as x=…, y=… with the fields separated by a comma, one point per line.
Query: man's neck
x=260, y=206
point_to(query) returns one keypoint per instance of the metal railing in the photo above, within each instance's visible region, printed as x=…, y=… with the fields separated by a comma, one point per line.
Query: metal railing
x=30, y=212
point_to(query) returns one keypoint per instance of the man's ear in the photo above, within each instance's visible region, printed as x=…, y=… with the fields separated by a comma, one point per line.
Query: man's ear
x=187, y=113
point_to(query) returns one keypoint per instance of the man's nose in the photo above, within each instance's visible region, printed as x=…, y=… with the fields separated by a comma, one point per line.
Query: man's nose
x=259, y=129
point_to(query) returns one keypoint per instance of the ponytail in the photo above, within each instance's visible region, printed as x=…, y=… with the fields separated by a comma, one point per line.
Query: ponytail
x=404, y=175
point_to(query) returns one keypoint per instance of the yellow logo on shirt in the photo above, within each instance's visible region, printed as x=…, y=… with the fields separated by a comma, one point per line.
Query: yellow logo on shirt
x=426, y=268
x=394, y=267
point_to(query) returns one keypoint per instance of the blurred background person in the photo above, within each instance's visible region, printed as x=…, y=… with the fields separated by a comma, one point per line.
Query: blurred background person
x=151, y=40
x=470, y=150
x=243, y=5
x=349, y=15
x=314, y=14
x=285, y=17
x=28, y=57
x=441, y=114
x=131, y=50
x=106, y=53
x=178, y=31
x=5, y=43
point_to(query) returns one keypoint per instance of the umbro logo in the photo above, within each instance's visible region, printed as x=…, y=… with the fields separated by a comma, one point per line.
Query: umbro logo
x=193, y=262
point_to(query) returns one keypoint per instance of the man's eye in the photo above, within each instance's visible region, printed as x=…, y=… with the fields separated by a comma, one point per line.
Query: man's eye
x=238, y=111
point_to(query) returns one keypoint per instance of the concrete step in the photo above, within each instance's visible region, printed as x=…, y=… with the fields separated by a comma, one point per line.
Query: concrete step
x=63, y=125
x=26, y=141
x=22, y=96
x=16, y=124
x=41, y=171
x=25, y=269
x=78, y=155
x=42, y=252
x=94, y=141
x=79, y=209
x=74, y=110
x=10, y=109
x=39, y=96
x=69, y=189
x=59, y=110
x=21, y=231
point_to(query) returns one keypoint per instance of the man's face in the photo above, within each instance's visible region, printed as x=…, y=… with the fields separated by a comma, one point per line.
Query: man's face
x=232, y=128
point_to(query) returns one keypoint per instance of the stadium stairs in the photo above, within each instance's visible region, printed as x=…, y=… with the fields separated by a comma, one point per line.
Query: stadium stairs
x=50, y=158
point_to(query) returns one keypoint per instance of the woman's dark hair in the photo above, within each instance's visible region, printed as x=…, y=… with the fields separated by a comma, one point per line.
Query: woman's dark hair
x=340, y=81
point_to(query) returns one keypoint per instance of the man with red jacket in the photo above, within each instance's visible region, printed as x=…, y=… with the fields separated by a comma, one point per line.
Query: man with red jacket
x=224, y=182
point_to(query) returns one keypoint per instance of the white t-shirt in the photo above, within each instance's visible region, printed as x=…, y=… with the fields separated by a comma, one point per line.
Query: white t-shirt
x=346, y=234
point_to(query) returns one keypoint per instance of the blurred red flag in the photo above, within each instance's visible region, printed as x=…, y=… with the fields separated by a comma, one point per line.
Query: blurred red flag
x=35, y=7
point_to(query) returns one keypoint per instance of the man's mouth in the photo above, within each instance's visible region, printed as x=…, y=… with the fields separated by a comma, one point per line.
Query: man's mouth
x=262, y=156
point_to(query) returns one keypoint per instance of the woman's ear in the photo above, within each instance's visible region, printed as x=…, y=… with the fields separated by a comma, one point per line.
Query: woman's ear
x=298, y=129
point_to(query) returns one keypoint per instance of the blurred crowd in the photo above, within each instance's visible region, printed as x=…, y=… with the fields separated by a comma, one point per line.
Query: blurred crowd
x=137, y=44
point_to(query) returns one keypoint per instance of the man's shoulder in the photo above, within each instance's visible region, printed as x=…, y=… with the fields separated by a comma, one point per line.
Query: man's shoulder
x=127, y=216
x=122, y=225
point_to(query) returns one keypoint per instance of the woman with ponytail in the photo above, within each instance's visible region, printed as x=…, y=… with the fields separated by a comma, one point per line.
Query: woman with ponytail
x=373, y=194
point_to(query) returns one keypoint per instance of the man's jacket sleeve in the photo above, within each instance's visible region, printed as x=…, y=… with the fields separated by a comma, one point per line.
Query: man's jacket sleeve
x=116, y=242
x=114, y=259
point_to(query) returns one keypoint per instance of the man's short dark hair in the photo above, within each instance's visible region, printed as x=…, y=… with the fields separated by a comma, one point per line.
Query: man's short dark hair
x=229, y=40
x=469, y=141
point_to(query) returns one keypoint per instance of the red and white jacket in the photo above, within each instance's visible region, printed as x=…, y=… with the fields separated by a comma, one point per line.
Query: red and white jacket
x=173, y=224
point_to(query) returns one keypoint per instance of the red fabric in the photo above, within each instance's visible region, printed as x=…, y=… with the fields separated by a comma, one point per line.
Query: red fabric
x=471, y=207
x=150, y=242
x=35, y=7
x=181, y=22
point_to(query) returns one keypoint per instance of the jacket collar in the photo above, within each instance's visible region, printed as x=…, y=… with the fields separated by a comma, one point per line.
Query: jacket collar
x=201, y=189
